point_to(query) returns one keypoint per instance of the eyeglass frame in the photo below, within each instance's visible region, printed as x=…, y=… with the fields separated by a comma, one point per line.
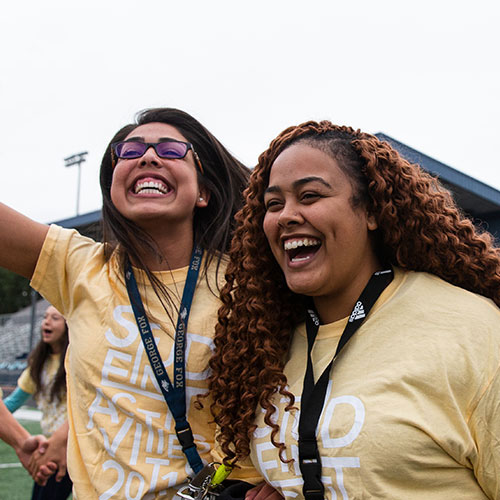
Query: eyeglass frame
x=115, y=157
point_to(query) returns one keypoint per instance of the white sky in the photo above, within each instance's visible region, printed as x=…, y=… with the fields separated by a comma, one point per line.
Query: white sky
x=72, y=72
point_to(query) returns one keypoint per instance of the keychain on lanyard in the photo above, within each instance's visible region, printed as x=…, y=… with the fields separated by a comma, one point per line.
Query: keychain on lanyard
x=207, y=484
x=313, y=395
x=174, y=393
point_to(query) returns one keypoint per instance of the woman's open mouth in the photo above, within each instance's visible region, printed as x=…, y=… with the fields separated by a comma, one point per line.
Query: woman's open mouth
x=46, y=331
x=152, y=186
x=301, y=250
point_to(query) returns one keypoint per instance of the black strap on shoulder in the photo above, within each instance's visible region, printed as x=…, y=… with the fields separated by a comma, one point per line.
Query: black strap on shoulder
x=313, y=395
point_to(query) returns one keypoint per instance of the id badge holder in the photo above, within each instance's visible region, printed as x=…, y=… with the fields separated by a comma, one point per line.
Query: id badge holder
x=205, y=485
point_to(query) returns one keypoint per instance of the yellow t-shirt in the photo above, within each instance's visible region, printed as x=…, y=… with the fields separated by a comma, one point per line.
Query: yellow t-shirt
x=54, y=413
x=122, y=442
x=412, y=407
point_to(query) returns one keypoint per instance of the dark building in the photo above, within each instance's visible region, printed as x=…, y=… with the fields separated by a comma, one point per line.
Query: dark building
x=88, y=224
x=479, y=201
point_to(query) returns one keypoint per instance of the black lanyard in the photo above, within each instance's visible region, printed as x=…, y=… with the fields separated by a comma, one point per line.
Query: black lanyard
x=313, y=395
x=174, y=393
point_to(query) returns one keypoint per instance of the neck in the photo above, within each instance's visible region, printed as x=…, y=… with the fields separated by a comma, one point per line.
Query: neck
x=175, y=248
x=339, y=305
x=55, y=349
x=330, y=311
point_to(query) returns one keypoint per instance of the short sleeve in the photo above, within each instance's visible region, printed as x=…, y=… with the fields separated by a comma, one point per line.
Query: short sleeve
x=26, y=383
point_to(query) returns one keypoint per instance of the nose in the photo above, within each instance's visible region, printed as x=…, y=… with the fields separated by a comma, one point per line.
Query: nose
x=149, y=157
x=289, y=216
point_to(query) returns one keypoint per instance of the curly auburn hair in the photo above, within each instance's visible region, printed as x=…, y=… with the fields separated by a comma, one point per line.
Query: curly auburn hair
x=420, y=228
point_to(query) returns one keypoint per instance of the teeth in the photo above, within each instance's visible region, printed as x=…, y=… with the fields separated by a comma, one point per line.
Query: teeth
x=150, y=187
x=300, y=259
x=151, y=190
x=306, y=242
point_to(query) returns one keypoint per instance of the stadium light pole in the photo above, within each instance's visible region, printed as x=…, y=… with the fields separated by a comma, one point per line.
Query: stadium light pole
x=77, y=159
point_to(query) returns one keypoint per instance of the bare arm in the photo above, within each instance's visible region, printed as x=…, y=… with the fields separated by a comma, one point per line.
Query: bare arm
x=15, y=435
x=21, y=240
x=11, y=431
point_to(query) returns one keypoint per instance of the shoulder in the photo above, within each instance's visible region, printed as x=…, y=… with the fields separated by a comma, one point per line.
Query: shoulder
x=67, y=248
x=438, y=332
x=423, y=291
x=69, y=240
x=25, y=381
x=437, y=321
x=429, y=313
x=71, y=267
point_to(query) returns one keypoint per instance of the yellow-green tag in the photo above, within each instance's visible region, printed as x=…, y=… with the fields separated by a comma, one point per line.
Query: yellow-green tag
x=220, y=474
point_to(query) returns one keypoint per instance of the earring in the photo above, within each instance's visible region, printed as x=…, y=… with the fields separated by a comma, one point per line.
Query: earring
x=200, y=199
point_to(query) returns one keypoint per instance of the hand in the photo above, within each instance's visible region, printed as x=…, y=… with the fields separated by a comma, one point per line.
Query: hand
x=28, y=446
x=46, y=460
x=15, y=435
x=263, y=491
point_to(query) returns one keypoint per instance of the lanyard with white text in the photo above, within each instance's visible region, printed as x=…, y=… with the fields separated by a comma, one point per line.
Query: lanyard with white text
x=313, y=395
x=174, y=393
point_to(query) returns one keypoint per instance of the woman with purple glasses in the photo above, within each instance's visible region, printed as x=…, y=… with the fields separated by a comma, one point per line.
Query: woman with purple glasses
x=141, y=306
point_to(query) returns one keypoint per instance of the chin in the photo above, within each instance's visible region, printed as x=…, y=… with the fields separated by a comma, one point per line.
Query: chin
x=300, y=288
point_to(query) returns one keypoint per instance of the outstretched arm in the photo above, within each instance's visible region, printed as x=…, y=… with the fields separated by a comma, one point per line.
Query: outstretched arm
x=21, y=240
x=11, y=431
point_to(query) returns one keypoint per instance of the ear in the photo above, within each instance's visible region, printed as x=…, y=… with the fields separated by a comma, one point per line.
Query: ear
x=371, y=222
x=203, y=197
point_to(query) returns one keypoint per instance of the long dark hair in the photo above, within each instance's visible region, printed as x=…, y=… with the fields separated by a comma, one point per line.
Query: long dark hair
x=420, y=228
x=223, y=176
x=36, y=361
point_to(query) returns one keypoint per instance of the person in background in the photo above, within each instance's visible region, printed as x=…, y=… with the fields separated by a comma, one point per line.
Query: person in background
x=45, y=380
x=361, y=314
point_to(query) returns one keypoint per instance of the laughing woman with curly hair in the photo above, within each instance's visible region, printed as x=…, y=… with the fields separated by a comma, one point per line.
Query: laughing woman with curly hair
x=361, y=314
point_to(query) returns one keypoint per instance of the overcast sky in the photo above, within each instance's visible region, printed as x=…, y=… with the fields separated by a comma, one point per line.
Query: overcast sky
x=426, y=73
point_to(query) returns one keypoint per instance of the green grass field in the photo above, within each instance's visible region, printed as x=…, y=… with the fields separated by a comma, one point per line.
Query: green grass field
x=15, y=482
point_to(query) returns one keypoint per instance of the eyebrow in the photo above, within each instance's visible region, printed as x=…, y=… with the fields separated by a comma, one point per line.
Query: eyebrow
x=160, y=139
x=298, y=183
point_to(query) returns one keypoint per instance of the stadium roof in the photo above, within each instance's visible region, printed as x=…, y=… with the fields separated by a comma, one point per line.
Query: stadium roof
x=80, y=220
x=88, y=224
x=472, y=195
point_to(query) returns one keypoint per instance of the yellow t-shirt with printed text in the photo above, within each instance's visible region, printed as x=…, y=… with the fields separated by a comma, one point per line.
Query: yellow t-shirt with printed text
x=412, y=407
x=122, y=442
